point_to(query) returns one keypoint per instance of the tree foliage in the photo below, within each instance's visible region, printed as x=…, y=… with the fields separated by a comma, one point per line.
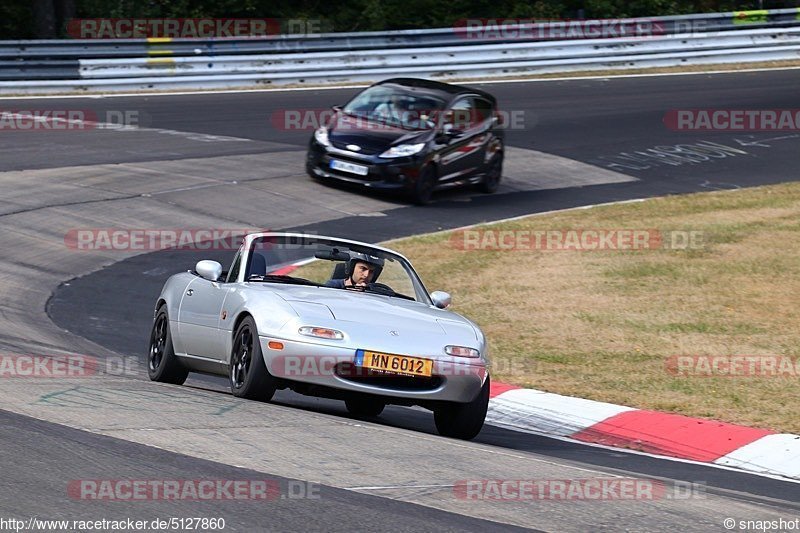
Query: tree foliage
x=19, y=19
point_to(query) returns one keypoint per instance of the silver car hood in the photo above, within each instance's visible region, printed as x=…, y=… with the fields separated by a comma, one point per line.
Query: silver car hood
x=367, y=317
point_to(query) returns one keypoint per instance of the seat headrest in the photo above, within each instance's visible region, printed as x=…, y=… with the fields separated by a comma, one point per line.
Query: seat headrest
x=258, y=266
x=339, y=271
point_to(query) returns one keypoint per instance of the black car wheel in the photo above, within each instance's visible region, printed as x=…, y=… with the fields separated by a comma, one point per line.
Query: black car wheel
x=494, y=172
x=248, y=375
x=364, y=406
x=162, y=365
x=423, y=188
x=463, y=420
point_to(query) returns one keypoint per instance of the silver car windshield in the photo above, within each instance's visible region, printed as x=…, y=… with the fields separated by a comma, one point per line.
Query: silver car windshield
x=307, y=260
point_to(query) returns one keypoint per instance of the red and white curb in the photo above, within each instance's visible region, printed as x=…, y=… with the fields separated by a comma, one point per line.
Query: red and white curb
x=671, y=435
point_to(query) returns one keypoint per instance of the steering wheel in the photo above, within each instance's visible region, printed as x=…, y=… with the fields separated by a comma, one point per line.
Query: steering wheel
x=381, y=287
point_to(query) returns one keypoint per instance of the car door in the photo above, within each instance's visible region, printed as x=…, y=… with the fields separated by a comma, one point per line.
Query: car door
x=200, y=315
x=463, y=154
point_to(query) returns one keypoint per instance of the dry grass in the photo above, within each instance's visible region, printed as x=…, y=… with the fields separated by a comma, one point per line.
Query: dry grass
x=602, y=324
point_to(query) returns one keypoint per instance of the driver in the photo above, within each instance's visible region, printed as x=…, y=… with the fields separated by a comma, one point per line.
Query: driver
x=360, y=272
x=394, y=108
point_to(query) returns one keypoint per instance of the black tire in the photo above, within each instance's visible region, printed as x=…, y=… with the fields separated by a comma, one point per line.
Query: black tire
x=364, y=406
x=247, y=373
x=423, y=188
x=162, y=365
x=494, y=173
x=463, y=420
x=312, y=175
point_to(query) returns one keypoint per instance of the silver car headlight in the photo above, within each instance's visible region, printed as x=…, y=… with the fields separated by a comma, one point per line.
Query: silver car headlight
x=461, y=351
x=321, y=333
x=403, y=150
x=321, y=136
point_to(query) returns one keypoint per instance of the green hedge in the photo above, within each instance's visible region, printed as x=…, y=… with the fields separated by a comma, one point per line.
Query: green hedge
x=28, y=19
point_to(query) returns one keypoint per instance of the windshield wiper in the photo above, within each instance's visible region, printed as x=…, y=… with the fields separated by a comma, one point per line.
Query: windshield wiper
x=276, y=278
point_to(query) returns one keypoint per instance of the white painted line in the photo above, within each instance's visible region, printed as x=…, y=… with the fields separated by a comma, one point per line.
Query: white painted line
x=642, y=75
x=774, y=454
x=201, y=92
x=449, y=486
x=519, y=217
x=89, y=125
x=359, y=85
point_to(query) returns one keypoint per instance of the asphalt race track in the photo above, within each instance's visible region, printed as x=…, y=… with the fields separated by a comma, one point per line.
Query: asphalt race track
x=227, y=161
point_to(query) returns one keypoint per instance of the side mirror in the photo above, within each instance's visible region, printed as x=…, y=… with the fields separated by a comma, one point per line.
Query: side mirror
x=441, y=299
x=207, y=269
x=451, y=131
x=448, y=133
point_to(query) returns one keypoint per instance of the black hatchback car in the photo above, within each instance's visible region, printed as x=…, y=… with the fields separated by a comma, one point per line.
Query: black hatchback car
x=414, y=136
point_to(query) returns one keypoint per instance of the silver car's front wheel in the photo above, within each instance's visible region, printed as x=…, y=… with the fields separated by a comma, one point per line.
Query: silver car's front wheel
x=248, y=375
x=162, y=365
x=463, y=420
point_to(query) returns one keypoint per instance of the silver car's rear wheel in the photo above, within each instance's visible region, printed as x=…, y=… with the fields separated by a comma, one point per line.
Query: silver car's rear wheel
x=162, y=365
x=248, y=375
x=463, y=420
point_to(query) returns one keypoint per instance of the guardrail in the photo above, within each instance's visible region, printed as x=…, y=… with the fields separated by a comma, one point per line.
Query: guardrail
x=108, y=65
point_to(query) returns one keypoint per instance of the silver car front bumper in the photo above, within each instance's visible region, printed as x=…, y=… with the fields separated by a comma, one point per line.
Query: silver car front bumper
x=453, y=379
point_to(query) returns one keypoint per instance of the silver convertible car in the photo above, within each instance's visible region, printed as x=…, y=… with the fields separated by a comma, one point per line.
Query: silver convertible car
x=325, y=317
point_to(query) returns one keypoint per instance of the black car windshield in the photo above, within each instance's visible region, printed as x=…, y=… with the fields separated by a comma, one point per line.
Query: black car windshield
x=396, y=107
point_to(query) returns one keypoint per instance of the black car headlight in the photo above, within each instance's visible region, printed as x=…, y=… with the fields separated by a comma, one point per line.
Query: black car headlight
x=403, y=150
x=321, y=136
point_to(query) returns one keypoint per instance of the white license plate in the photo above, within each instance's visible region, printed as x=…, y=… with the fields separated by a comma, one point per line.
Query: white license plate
x=344, y=166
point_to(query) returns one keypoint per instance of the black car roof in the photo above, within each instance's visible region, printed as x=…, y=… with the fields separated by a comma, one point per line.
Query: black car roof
x=444, y=90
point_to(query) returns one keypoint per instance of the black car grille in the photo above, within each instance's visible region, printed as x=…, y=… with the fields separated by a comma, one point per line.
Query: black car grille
x=365, y=150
